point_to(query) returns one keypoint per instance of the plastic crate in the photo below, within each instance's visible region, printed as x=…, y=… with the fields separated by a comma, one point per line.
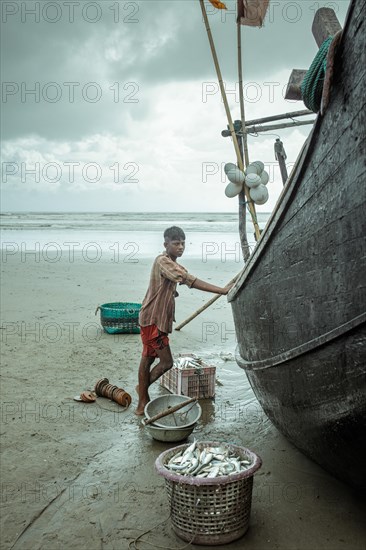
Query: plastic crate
x=199, y=383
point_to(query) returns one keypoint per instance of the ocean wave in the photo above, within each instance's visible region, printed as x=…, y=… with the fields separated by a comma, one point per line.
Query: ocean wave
x=126, y=221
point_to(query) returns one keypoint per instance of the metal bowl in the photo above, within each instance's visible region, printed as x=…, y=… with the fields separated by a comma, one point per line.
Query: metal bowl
x=169, y=434
x=185, y=417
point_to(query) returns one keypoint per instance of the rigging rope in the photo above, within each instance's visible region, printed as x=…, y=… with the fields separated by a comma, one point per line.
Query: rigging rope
x=312, y=85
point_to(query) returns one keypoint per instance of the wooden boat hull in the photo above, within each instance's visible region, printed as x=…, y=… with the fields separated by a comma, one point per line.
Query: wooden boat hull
x=299, y=305
x=317, y=400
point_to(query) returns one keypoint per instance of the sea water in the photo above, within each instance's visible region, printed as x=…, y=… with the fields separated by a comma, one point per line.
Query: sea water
x=208, y=235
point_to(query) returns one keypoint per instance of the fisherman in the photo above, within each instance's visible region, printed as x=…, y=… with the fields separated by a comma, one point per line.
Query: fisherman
x=157, y=311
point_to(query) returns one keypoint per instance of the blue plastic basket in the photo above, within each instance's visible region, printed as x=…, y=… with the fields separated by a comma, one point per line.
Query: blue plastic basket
x=120, y=317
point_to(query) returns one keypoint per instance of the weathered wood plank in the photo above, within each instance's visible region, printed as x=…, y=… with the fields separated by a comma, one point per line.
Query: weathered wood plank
x=293, y=87
x=325, y=24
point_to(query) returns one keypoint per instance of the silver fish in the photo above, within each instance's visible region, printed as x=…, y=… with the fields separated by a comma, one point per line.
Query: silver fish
x=191, y=448
x=177, y=459
x=193, y=465
x=179, y=468
x=207, y=462
x=207, y=458
x=214, y=472
x=187, y=362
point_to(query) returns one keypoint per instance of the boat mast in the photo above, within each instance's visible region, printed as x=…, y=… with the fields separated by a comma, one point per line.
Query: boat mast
x=229, y=118
x=244, y=153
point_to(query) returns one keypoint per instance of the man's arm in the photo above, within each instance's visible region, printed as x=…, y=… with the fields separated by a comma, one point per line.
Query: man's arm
x=207, y=287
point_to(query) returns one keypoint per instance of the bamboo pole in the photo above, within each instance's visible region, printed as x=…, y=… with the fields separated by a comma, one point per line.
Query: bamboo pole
x=245, y=157
x=250, y=125
x=229, y=119
x=205, y=306
x=269, y=127
x=241, y=96
x=170, y=410
x=272, y=118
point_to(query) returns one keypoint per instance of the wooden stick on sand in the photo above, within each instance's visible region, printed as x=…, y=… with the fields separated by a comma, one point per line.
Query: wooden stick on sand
x=170, y=410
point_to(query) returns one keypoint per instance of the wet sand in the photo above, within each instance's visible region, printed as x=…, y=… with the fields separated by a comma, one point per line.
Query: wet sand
x=81, y=476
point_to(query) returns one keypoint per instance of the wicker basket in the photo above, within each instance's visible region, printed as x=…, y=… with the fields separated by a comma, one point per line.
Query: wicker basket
x=210, y=511
x=120, y=317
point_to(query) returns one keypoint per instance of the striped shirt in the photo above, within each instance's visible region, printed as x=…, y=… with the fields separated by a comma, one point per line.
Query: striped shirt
x=158, y=306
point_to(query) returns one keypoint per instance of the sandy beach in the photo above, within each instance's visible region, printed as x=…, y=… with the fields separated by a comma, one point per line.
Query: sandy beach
x=80, y=476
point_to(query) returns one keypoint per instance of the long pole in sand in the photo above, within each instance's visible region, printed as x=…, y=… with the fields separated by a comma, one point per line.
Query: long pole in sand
x=229, y=119
x=205, y=306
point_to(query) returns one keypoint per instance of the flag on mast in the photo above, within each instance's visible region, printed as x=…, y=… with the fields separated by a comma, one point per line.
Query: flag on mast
x=252, y=12
x=217, y=4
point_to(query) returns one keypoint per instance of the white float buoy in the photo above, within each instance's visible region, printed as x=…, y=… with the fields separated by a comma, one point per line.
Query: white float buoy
x=235, y=176
x=264, y=178
x=259, y=165
x=259, y=194
x=252, y=180
x=232, y=190
x=250, y=169
x=229, y=166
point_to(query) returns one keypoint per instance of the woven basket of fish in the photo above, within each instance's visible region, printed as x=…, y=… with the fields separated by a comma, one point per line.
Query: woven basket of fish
x=120, y=317
x=209, y=487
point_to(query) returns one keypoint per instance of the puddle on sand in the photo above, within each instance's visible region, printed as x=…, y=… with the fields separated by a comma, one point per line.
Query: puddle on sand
x=234, y=402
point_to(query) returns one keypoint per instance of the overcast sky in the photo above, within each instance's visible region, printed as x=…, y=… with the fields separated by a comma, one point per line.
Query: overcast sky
x=114, y=105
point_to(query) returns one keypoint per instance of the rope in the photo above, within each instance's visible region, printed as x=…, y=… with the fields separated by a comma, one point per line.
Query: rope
x=312, y=85
x=137, y=539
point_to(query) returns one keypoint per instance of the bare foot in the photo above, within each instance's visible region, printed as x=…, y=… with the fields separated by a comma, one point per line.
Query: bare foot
x=140, y=409
x=137, y=391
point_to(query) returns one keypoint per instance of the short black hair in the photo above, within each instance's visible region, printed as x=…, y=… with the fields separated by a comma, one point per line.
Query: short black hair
x=174, y=233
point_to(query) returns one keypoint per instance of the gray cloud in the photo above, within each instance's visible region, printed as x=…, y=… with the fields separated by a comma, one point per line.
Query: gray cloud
x=106, y=77
x=141, y=44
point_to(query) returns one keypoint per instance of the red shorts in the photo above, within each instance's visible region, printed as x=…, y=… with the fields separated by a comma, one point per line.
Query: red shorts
x=153, y=339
